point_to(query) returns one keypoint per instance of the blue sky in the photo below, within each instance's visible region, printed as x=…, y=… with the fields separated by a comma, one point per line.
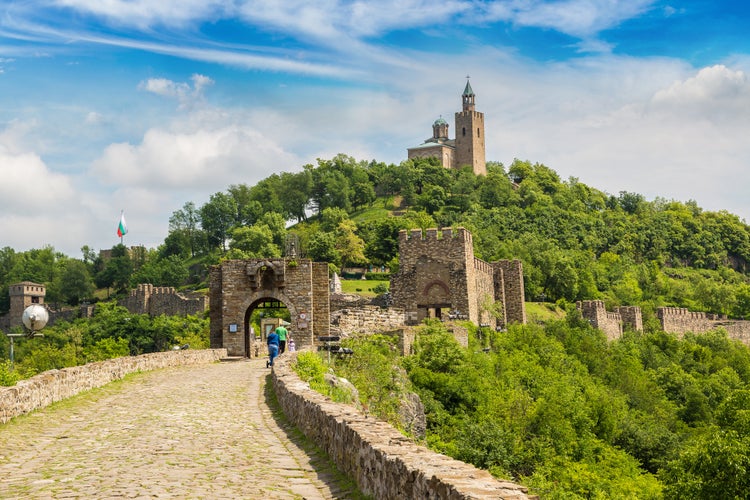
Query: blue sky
x=143, y=105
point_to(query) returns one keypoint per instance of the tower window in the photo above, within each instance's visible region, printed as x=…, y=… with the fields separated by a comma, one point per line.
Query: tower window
x=463, y=131
x=478, y=133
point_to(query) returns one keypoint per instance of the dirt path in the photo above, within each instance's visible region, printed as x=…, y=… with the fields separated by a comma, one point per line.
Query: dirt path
x=195, y=432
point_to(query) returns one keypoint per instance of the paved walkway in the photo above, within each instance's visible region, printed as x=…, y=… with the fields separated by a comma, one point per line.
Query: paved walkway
x=193, y=432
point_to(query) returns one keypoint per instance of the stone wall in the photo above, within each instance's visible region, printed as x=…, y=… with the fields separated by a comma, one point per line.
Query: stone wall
x=158, y=300
x=383, y=463
x=611, y=323
x=237, y=287
x=366, y=319
x=680, y=320
x=55, y=385
x=509, y=290
x=438, y=273
x=596, y=314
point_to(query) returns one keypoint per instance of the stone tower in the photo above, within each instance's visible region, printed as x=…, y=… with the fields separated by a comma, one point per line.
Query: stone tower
x=470, y=135
x=22, y=295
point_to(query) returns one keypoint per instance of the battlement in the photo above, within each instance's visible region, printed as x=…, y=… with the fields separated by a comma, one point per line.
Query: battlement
x=446, y=234
x=610, y=322
x=156, y=300
x=27, y=288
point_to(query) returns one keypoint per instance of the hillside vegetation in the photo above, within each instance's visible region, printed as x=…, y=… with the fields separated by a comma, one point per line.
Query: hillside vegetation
x=552, y=403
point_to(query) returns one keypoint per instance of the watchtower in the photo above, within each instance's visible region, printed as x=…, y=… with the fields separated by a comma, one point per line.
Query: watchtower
x=22, y=295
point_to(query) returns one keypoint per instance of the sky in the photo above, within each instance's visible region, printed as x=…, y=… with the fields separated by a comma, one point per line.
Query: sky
x=145, y=105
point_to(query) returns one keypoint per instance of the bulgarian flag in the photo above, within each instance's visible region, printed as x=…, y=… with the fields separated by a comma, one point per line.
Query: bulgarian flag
x=122, y=228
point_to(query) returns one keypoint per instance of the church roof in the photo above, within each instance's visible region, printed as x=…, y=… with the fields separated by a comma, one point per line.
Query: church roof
x=432, y=143
x=468, y=90
x=440, y=121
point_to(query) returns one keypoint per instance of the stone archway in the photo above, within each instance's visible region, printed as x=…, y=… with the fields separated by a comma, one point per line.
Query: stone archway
x=236, y=285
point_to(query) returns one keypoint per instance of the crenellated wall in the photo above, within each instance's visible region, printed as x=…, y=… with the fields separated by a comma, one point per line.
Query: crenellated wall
x=611, y=323
x=383, y=463
x=55, y=385
x=439, y=274
x=158, y=300
x=680, y=320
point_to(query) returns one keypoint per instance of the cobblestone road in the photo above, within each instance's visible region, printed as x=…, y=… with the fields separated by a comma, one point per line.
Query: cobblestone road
x=194, y=432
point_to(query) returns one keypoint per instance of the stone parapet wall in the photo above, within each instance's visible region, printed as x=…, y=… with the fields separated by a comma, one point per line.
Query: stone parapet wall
x=55, y=385
x=680, y=321
x=157, y=300
x=383, y=463
x=366, y=319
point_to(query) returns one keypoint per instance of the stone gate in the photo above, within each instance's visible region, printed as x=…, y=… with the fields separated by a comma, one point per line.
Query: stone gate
x=238, y=287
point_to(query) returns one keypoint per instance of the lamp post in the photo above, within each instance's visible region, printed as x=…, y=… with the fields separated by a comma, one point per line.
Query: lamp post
x=34, y=318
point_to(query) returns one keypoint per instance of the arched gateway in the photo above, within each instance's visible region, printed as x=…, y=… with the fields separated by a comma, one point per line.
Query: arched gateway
x=238, y=287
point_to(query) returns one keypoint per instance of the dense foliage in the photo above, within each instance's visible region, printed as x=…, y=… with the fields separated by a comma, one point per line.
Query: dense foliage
x=560, y=409
x=111, y=333
x=555, y=406
x=575, y=242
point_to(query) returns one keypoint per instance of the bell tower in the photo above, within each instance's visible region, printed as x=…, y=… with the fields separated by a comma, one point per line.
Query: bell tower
x=470, y=134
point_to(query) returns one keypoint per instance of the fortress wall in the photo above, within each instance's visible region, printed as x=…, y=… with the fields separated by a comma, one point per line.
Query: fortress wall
x=680, y=320
x=383, y=462
x=484, y=277
x=509, y=276
x=596, y=314
x=157, y=300
x=631, y=317
x=55, y=385
x=367, y=319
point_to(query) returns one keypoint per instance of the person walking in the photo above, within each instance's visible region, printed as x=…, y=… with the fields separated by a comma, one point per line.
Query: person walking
x=273, y=348
x=292, y=347
x=282, y=333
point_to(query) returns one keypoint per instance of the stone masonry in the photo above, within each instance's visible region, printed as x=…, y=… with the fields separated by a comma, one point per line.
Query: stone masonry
x=238, y=287
x=383, y=463
x=611, y=323
x=439, y=275
x=158, y=300
x=680, y=320
x=55, y=385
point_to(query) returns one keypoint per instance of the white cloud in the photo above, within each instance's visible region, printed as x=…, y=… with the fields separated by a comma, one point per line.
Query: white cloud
x=146, y=13
x=202, y=158
x=29, y=186
x=579, y=18
x=183, y=92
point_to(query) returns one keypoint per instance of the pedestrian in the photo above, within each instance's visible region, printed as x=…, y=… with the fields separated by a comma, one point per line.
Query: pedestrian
x=292, y=347
x=282, y=333
x=273, y=348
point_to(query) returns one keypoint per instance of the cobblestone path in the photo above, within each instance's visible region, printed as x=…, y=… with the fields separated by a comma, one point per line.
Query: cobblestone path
x=194, y=432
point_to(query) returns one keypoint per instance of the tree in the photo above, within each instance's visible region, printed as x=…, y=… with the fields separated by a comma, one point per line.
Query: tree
x=218, y=216
x=117, y=270
x=75, y=282
x=186, y=222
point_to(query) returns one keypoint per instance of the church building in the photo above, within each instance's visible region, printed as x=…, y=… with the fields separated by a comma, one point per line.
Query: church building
x=468, y=146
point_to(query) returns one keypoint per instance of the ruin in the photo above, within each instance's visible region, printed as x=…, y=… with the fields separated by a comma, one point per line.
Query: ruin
x=239, y=287
x=439, y=277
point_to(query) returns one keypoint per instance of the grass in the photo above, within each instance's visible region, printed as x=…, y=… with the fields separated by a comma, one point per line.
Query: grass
x=361, y=287
x=541, y=312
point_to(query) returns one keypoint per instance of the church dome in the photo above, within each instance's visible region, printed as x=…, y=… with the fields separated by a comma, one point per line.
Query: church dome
x=440, y=121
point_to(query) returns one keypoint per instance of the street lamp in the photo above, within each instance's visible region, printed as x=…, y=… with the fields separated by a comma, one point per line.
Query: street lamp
x=34, y=318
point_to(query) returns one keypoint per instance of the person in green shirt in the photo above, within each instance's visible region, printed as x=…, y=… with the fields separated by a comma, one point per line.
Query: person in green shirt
x=282, y=333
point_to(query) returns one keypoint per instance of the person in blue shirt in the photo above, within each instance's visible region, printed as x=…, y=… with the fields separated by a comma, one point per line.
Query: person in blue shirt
x=273, y=347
